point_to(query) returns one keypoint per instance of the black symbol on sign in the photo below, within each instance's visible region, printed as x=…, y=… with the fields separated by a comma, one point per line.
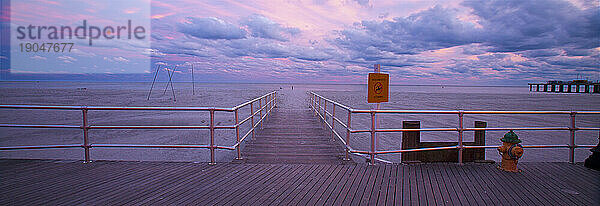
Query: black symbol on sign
x=378, y=88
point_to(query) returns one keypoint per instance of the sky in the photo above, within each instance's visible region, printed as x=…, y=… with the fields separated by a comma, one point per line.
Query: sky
x=476, y=42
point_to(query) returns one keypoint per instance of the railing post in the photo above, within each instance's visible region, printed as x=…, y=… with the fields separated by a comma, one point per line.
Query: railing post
x=324, y=113
x=314, y=103
x=260, y=108
x=252, y=118
x=347, y=156
x=237, y=135
x=460, y=136
x=572, y=139
x=266, y=105
x=333, y=122
x=86, y=139
x=319, y=107
x=372, y=162
x=212, y=137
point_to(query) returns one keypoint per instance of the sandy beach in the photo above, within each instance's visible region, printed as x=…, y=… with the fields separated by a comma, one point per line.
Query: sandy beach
x=229, y=95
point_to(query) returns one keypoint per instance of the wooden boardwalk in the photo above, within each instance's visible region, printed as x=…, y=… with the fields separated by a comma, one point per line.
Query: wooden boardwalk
x=292, y=137
x=28, y=182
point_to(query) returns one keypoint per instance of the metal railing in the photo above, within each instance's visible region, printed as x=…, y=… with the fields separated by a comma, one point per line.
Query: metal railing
x=319, y=104
x=265, y=103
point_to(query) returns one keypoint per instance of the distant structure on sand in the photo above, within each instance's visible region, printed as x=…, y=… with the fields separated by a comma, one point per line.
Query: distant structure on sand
x=575, y=86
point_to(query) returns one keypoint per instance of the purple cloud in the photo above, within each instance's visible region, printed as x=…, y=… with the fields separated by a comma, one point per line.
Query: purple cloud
x=210, y=28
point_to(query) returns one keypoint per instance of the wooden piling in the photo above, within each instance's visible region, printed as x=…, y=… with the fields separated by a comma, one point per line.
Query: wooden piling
x=410, y=140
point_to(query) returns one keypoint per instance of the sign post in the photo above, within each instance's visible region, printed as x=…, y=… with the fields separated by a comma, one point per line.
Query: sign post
x=378, y=91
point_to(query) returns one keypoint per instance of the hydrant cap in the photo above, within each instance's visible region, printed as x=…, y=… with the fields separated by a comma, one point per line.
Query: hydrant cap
x=511, y=137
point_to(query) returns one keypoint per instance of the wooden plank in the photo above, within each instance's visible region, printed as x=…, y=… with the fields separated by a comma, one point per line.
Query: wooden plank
x=406, y=186
x=128, y=188
x=391, y=192
x=197, y=174
x=262, y=182
x=522, y=191
x=398, y=194
x=328, y=183
x=336, y=185
x=361, y=187
x=434, y=184
x=204, y=189
x=474, y=185
x=236, y=185
x=571, y=181
x=371, y=184
x=414, y=185
x=384, y=189
x=555, y=195
x=462, y=194
x=346, y=197
x=127, y=181
x=445, y=192
x=504, y=189
x=50, y=185
x=319, y=186
x=278, y=185
x=304, y=189
x=308, y=171
x=430, y=198
x=497, y=197
x=339, y=197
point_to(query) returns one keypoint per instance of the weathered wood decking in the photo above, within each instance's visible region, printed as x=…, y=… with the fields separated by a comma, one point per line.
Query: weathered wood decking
x=27, y=182
x=292, y=136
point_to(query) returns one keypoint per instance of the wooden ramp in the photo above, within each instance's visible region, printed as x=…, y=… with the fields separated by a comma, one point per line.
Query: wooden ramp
x=292, y=136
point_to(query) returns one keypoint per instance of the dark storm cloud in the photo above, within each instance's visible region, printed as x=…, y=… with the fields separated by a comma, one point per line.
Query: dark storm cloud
x=506, y=26
x=431, y=29
x=263, y=27
x=210, y=28
x=527, y=25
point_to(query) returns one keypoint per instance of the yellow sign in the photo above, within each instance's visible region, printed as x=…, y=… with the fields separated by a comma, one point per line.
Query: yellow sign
x=378, y=87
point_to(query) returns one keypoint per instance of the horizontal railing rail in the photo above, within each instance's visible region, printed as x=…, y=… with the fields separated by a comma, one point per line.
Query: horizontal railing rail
x=266, y=103
x=319, y=104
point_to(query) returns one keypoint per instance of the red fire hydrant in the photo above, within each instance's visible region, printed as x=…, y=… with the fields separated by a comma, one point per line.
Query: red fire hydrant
x=510, y=151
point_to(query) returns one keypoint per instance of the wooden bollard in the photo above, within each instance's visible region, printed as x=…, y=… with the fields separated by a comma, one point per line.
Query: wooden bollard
x=479, y=154
x=410, y=140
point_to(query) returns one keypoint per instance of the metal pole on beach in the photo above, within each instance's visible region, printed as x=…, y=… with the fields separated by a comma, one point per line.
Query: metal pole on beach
x=193, y=82
x=155, y=75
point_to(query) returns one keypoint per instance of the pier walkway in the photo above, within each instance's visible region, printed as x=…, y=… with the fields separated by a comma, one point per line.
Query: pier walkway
x=292, y=135
x=292, y=161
